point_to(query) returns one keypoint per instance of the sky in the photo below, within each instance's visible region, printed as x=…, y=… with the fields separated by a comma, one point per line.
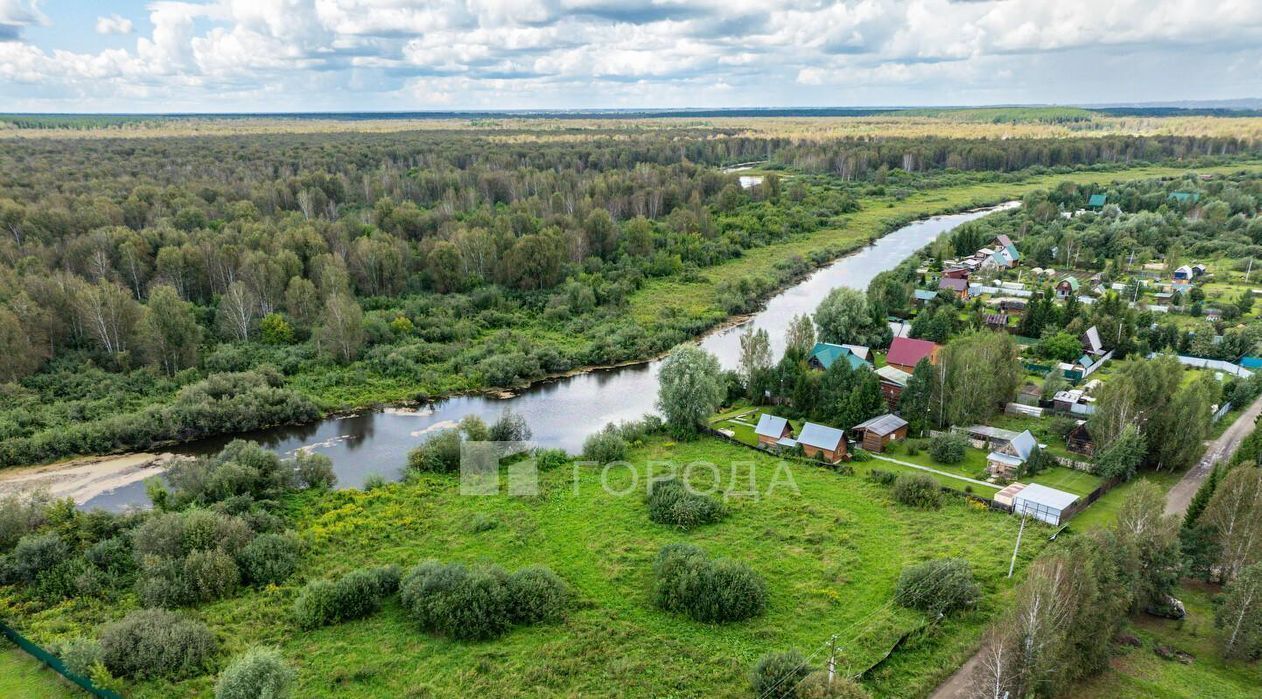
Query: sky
x=400, y=55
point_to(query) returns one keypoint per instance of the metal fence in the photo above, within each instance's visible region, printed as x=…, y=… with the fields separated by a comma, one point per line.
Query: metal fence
x=55, y=663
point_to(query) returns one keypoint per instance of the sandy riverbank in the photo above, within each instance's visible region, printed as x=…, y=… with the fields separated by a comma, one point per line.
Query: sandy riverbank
x=86, y=478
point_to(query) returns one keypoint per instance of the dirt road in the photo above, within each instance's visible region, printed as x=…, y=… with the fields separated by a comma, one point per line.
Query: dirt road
x=1222, y=448
x=957, y=685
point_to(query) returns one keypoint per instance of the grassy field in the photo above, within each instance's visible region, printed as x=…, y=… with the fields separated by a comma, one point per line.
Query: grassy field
x=1139, y=673
x=830, y=548
x=24, y=677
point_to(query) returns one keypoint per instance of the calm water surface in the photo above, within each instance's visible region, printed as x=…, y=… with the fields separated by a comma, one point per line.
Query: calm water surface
x=562, y=412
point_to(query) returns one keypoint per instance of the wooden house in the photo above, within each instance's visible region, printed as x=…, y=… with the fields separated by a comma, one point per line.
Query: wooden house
x=824, y=354
x=958, y=287
x=1079, y=440
x=893, y=381
x=771, y=430
x=874, y=434
x=905, y=353
x=1007, y=459
x=817, y=440
x=1066, y=287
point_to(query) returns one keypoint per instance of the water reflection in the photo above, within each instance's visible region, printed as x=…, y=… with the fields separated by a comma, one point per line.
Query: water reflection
x=562, y=412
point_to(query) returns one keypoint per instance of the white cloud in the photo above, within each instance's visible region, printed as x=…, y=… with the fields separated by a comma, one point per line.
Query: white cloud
x=523, y=53
x=113, y=25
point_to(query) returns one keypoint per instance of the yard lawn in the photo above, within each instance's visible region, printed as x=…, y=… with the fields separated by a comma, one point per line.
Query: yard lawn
x=22, y=676
x=973, y=465
x=830, y=554
x=1067, y=479
x=1139, y=673
x=1103, y=512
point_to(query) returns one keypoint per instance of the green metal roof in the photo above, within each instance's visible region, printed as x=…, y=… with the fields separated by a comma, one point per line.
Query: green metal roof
x=827, y=353
x=1097, y=200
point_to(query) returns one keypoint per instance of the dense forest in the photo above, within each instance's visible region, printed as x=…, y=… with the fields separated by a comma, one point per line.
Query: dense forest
x=164, y=289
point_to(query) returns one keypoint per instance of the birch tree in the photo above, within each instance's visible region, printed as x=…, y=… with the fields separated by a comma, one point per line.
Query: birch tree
x=109, y=315
x=1240, y=615
x=238, y=312
x=800, y=336
x=341, y=334
x=1235, y=512
x=755, y=353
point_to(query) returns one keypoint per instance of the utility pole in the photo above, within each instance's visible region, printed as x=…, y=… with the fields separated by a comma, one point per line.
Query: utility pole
x=832, y=659
x=1248, y=271
x=1012, y=566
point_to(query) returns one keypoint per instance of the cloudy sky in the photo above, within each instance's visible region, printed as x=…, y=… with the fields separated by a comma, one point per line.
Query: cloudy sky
x=348, y=55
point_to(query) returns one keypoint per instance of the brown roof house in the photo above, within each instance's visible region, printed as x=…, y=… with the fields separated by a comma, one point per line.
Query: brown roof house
x=959, y=287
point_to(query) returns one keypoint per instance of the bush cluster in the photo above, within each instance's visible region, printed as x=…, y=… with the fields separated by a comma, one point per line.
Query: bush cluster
x=670, y=502
x=483, y=602
x=269, y=559
x=355, y=595
x=938, y=587
x=918, y=490
x=948, y=448
x=709, y=590
x=788, y=675
x=156, y=643
x=261, y=673
x=882, y=477
x=189, y=557
x=224, y=403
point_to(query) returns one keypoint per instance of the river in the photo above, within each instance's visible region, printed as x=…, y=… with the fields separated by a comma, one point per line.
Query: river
x=560, y=412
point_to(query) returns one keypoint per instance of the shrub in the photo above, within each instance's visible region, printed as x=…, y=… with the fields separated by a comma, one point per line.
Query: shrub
x=241, y=468
x=882, y=477
x=314, y=470
x=535, y=595
x=270, y=559
x=261, y=673
x=670, y=502
x=20, y=515
x=918, y=490
x=112, y=556
x=80, y=655
x=355, y=595
x=549, y=459
x=776, y=676
x=210, y=575
x=860, y=455
x=711, y=591
x=948, y=448
x=937, y=587
x=456, y=601
x=34, y=554
x=162, y=584
x=511, y=427
x=440, y=453
x=373, y=481
x=817, y=686
x=605, y=446
x=156, y=643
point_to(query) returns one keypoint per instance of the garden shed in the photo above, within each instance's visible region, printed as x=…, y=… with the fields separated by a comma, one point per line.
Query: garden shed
x=880, y=431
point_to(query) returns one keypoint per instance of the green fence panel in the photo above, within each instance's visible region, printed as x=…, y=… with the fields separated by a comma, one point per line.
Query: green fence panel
x=55, y=663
